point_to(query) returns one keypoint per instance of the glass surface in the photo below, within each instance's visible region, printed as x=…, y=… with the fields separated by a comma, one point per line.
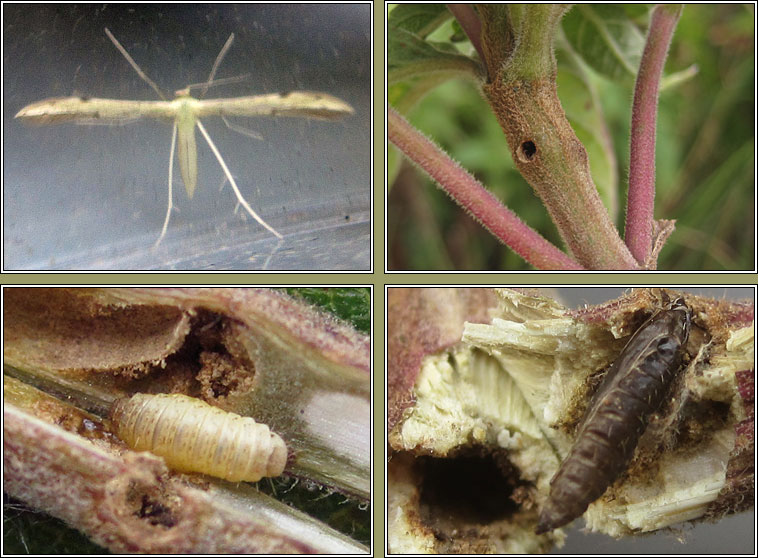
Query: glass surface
x=95, y=196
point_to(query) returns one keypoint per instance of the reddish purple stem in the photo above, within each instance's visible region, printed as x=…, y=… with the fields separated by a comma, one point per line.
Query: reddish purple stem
x=469, y=22
x=641, y=200
x=475, y=198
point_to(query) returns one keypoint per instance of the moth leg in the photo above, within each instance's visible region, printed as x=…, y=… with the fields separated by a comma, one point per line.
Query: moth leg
x=242, y=130
x=134, y=65
x=170, y=192
x=217, y=62
x=242, y=200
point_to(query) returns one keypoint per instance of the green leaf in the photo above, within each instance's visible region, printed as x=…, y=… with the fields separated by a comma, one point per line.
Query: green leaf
x=394, y=162
x=404, y=95
x=350, y=304
x=723, y=200
x=677, y=78
x=606, y=39
x=419, y=19
x=638, y=12
x=409, y=56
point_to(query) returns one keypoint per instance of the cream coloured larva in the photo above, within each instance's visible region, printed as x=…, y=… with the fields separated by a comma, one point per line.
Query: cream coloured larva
x=193, y=436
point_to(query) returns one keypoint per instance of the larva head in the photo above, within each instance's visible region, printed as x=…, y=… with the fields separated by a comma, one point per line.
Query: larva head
x=277, y=460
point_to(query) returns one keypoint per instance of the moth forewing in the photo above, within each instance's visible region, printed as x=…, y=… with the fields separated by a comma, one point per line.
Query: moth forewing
x=305, y=104
x=59, y=110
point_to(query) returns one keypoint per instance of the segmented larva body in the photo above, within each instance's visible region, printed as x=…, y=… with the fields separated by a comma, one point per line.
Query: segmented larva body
x=635, y=387
x=193, y=436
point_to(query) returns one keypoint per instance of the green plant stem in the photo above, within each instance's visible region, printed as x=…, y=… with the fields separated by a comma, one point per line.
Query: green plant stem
x=641, y=199
x=475, y=198
x=521, y=89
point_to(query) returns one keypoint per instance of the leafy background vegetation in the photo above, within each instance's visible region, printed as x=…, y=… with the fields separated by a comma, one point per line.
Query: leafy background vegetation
x=705, y=148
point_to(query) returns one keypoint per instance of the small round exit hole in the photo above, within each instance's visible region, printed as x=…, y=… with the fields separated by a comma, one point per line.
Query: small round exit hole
x=527, y=150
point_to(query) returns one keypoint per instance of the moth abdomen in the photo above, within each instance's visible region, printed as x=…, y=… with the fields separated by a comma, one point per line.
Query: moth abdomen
x=193, y=436
x=633, y=389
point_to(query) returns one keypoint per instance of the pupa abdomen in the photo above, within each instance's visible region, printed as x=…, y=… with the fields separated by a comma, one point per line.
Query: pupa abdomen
x=193, y=436
x=634, y=388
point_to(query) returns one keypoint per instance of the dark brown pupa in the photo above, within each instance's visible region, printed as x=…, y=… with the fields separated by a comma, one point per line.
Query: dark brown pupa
x=634, y=388
x=195, y=437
